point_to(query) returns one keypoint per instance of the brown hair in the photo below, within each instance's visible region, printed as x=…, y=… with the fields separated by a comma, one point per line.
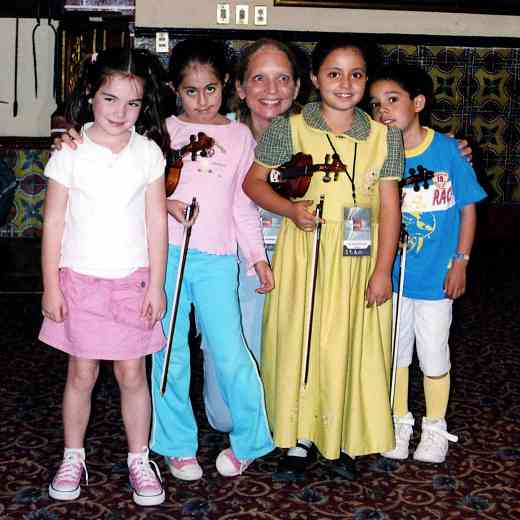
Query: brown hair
x=239, y=105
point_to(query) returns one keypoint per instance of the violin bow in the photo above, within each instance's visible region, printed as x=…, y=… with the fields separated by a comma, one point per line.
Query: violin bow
x=312, y=288
x=403, y=245
x=178, y=285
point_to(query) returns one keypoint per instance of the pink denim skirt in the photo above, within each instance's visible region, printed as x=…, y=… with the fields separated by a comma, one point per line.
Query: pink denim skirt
x=103, y=320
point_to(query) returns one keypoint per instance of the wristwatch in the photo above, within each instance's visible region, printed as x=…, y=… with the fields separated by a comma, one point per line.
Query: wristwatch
x=461, y=256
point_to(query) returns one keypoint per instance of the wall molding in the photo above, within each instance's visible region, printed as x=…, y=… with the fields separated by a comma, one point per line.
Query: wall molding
x=312, y=36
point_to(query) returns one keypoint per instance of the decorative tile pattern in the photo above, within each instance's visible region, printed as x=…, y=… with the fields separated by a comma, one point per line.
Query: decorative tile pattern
x=477, y=93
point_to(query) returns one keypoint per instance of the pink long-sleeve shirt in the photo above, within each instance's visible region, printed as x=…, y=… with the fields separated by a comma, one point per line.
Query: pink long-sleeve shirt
x=227, y=217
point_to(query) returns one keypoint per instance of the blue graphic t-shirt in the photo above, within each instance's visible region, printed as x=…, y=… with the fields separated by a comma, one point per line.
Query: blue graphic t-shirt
x=432, y=216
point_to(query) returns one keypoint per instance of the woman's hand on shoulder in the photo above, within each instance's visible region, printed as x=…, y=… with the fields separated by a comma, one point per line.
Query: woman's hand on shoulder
x=464, y=148
x=54, y=306
x=70, y=138
x=302, y=216
x=265, y=277
x=379, y=288
x=177, y=209
x=154, y=305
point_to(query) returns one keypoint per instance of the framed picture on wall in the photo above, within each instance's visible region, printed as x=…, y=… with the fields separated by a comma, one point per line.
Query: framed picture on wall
x=126, y=7
x=510, y=7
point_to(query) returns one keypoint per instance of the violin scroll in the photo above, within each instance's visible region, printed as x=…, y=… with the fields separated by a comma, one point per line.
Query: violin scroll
x=419, y=179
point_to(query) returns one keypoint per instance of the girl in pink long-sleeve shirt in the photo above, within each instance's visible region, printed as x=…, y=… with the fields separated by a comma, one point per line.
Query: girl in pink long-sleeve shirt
x=226, y=219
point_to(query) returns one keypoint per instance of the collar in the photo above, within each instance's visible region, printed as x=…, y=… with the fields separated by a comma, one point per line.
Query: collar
x=360, y=126
x=87, y=139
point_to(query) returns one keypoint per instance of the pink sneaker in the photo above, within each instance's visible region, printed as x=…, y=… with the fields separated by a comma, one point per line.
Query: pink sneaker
x=146, y=481
x=184, y=468
x=65, y=485
x=229, y=466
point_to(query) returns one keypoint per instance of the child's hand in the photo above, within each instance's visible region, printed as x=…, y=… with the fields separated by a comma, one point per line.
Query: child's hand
x=71, y=138
x=177, y=209
x=302, y=217
x=265, y=276
x=379, y=288
x=54, y=306
x=154, y=305
x=455, y=282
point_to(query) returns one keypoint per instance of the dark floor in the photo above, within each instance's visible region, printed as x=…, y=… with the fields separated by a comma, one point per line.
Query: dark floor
x=480, y=479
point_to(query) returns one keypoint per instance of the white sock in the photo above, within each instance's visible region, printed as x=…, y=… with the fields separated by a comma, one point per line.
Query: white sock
x=132, y=456
x=78, y=451
x=300, y=452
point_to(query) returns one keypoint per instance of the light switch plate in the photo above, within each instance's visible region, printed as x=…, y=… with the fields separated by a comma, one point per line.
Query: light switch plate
x=223, y=16
x=242, y=14
x=260, y=15
x=162, y=41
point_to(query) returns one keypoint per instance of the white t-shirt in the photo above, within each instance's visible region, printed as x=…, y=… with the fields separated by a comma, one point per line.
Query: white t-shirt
x=105, y=222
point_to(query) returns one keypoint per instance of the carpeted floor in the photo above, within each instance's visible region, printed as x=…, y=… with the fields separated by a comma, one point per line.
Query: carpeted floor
x=480, y=479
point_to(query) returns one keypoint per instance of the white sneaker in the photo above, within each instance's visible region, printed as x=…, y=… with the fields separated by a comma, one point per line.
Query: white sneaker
x=403, y=428
x=433, y=446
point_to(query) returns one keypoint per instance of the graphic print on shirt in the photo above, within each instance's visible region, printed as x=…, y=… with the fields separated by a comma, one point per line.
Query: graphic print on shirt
x=206, y=163
x=419, y=209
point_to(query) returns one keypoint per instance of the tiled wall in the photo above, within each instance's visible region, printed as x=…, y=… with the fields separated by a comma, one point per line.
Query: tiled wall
x=477, y=95
x=26, y=215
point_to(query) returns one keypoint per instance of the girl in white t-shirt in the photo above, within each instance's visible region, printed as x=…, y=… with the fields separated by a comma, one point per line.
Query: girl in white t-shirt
x=104, y=255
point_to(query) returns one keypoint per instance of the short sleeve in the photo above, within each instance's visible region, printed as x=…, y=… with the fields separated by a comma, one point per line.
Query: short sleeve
x=275, y=146
x=466, y=188
x=157, y=162
x=393, y=167
x=59, y=166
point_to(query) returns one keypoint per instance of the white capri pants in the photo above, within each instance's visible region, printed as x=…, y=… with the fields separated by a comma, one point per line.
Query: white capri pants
x=427, y=323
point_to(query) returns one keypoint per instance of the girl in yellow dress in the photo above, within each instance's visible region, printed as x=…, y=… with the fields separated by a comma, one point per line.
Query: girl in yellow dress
x=344, y=405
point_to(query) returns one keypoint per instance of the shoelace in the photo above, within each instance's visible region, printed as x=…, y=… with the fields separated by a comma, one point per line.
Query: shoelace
x=69, y=469
x=143, y=474
x=433, y=430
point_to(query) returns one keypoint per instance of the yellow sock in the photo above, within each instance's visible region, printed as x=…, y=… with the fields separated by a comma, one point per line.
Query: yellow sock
x=401, y=392
x=436, y=394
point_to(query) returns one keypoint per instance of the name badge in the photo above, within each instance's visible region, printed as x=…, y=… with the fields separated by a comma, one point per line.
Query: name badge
x=270, y=226
x=357, y=239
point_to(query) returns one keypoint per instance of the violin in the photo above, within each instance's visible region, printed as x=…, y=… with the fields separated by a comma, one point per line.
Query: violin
x=198, y=144
x=292, y=179
x=422, y=177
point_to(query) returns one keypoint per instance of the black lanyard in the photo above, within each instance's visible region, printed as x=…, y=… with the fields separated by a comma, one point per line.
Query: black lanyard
x=350, y=178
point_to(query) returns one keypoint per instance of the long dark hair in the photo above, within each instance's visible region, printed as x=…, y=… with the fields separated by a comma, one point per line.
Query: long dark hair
x=213, y=53
x=138, y=63
x=326, y=46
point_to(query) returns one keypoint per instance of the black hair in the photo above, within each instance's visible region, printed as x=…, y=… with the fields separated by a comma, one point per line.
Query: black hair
x=325, y=46
x=296, y=59
x=131, y=63
x=414, y=80
x=204, y=52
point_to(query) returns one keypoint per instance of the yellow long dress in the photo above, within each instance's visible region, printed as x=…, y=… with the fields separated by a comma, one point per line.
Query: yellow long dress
x=345, y=404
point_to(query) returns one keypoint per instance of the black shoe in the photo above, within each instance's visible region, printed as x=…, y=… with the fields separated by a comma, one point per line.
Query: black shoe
x=345, y=467
x=291, y=467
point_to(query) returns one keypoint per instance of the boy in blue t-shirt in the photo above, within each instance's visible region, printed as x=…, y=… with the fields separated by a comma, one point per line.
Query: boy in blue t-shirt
x=440, y=221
